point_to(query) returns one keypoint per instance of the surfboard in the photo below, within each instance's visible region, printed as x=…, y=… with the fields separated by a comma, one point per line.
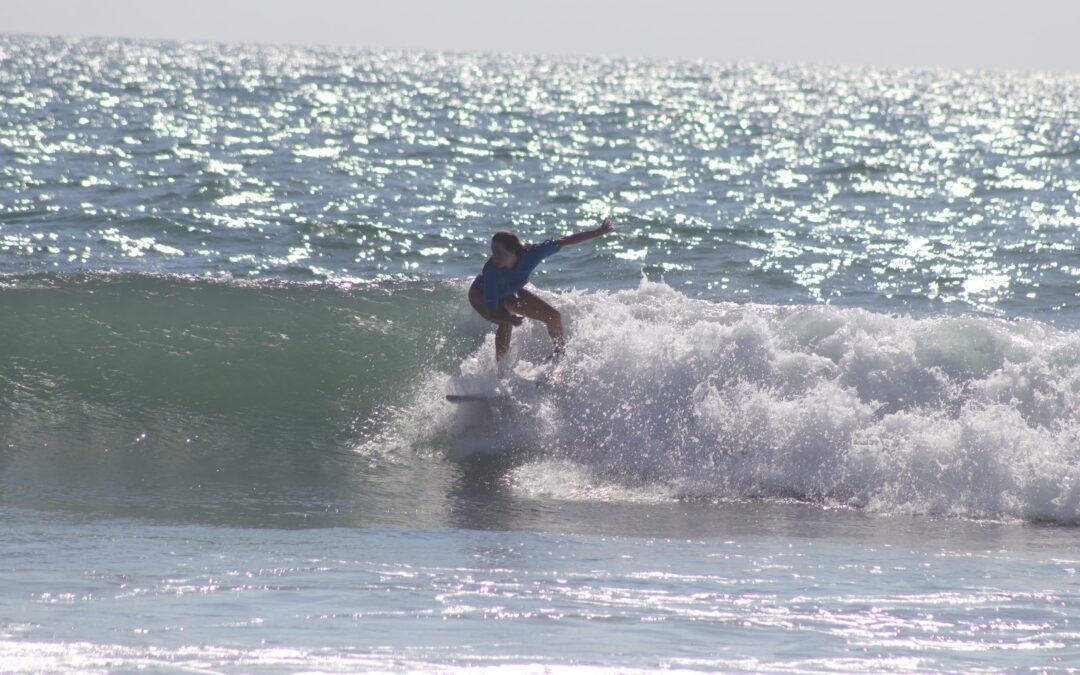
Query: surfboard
x=480, y=390
x=471, y=398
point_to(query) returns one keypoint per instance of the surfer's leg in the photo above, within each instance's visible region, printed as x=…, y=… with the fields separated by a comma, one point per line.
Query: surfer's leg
x=502, y=340
x=530, y=305
x=502, y=333
x=476, y=299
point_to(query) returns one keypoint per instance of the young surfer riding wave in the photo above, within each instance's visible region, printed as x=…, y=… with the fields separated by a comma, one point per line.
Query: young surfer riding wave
x=499, y=290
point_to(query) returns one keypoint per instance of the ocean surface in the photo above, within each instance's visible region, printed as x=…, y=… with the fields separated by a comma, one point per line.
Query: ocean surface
x=819, y=410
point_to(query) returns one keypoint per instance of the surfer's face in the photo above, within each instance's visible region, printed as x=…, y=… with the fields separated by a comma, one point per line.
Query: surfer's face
x=501, y=256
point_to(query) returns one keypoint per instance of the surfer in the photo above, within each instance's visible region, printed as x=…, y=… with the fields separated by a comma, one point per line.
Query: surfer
x=498, y=294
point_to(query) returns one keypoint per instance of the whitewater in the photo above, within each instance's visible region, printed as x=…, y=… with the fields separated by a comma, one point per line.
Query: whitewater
x=943, y=416
x=819, y=409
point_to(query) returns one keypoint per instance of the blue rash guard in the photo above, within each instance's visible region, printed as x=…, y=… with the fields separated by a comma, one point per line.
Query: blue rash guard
x=499, y=283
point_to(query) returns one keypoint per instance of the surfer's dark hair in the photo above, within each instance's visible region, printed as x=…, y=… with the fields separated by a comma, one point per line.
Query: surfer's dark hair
x=509, y=241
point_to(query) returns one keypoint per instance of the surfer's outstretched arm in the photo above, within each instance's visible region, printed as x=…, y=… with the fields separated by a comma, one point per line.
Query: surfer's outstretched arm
x=569, y=240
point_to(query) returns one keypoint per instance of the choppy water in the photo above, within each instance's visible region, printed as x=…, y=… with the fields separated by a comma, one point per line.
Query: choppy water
x=874, y=188
x=819, y=410
x=759, y=589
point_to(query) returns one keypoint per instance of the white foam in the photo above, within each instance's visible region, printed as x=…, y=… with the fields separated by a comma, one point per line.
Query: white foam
x=966, y=416
x=565, y=480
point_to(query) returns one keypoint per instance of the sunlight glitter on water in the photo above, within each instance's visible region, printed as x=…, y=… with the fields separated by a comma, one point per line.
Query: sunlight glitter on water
x=898, y=189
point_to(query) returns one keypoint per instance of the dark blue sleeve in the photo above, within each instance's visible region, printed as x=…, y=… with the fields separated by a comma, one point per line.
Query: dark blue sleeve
x=546, y=249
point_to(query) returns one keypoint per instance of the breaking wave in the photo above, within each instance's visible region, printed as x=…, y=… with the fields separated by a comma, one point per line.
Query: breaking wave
x=960, y=416
x=164, y=383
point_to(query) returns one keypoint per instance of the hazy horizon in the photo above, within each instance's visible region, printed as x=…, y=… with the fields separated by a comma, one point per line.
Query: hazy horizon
x=962, y=34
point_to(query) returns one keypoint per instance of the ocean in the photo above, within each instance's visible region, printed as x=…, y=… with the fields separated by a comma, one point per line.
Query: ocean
x=819, y=409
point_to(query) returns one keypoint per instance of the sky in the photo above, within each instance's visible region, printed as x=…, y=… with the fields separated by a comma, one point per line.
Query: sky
x=1025, y=35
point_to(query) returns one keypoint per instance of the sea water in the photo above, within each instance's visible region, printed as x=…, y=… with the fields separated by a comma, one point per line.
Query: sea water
x=819, y=410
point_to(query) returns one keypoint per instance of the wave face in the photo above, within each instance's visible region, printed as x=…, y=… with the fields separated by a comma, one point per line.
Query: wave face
x=146, y=388
x=968, y=417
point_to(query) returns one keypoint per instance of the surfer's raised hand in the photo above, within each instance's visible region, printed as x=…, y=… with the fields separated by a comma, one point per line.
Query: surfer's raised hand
x=607, y=226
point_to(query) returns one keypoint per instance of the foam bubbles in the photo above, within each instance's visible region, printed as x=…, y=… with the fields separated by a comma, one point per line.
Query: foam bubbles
x=968, y=416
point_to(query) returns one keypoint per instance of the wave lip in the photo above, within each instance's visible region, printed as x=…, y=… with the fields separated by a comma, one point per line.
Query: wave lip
x=967, y=417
